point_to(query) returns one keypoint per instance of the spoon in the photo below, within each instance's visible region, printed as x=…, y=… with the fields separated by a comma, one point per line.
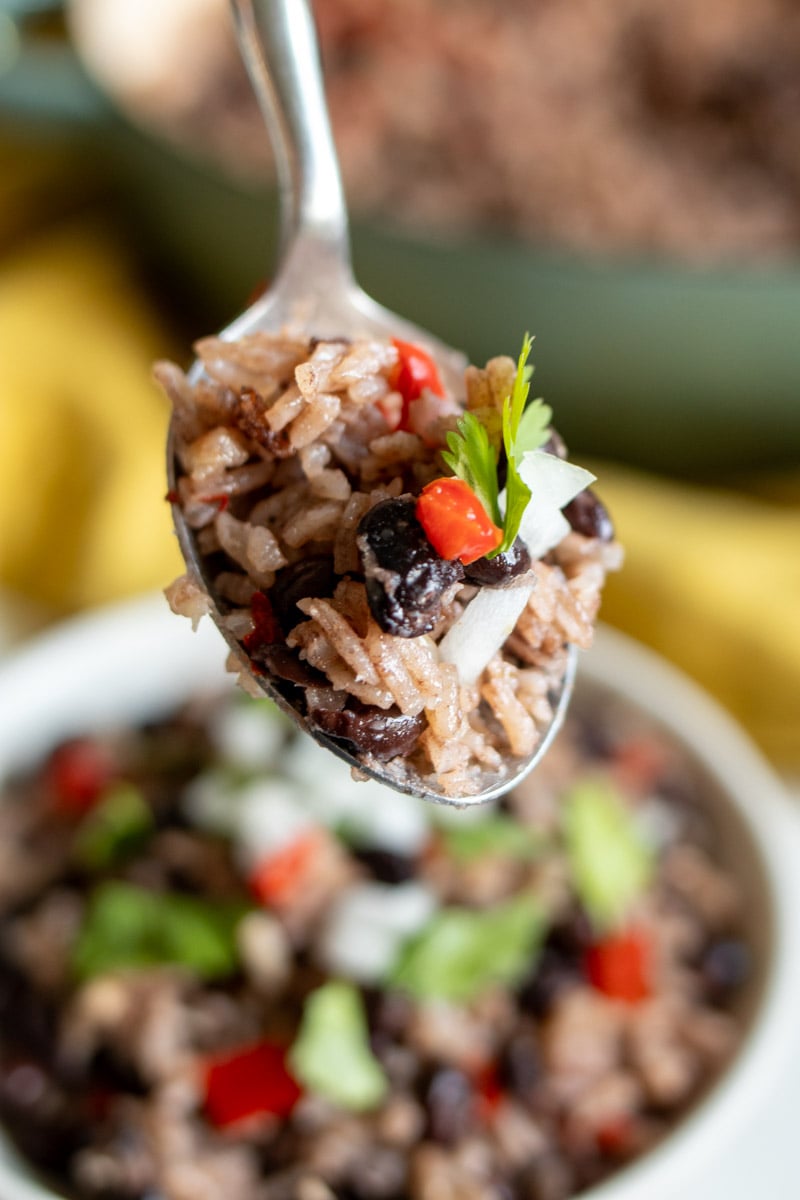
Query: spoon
x=314, y=288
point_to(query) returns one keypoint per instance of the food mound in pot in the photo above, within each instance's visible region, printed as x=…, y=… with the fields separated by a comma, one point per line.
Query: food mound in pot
x=408, y=565
x=222, y=974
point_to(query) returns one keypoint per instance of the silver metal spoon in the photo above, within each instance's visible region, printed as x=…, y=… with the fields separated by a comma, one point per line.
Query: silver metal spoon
x=314, y=288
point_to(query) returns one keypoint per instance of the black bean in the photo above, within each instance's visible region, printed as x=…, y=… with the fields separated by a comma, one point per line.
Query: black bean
x=589, y=516
x=449, y=1101
x=725, y=966
x=389, y=1013
x=519, y=1066
x=405, y=577
x=287, y=664
x=44, y=1121
x=385, y=865
x=572, y=936
x=554, y=973
x=27, y=1018
x=311, y=576
x=365, y=729
x=494, y=572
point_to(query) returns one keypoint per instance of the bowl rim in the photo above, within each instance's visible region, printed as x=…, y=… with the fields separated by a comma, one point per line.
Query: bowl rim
x=43, y=672
x=727, y=753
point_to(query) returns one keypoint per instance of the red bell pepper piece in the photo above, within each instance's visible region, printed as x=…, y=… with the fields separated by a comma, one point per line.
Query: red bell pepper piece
x=266, y=629
x=620, y=966
x=489, y=1090
x=221, y=499
x=414, y=372
x=78, y=774
x=248, y=1082
x=278, y=876
x=615, y=1137
x=455, y=522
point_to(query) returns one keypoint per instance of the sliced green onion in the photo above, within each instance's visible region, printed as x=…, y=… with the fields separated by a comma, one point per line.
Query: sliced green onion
x=332, y=1055
x=462, y=951
x=494, y=835
x=611, y=863
x=130, y=928
x=114, y=828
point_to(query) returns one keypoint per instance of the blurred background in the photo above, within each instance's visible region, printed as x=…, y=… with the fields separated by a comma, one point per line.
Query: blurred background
x=621, y=179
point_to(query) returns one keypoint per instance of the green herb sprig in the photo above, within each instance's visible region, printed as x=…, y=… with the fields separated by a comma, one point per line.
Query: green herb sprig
x=474, y=450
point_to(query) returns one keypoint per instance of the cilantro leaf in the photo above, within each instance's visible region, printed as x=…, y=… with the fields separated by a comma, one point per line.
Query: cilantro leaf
x=514, y=406
x=493, y=835
x=534, y=428
x=474, y=448
x=461, y=952
x=472, y=457
x=332, y=1054
x=130, y=928
x=518, y=493
x=610, y=861
x=117, y=826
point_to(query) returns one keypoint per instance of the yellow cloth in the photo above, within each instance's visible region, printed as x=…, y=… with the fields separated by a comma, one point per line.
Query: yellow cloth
x=712, y=578
x=82, y=429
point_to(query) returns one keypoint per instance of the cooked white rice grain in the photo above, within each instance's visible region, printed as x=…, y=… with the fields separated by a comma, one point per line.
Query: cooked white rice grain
x=285, y=409
x=314, y=524
x=344, y=640
x=345, y=551
x=314, y=459
x=331, y=485
x=315, y=419
x=445, y=716
x=188, y=599
x=256, y=361
x=393, y=672
x=253, y=547
x=499, y=691
x=210, y=455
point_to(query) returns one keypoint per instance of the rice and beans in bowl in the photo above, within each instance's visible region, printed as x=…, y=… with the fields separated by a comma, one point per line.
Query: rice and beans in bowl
x=409, y=564
x=227, y=969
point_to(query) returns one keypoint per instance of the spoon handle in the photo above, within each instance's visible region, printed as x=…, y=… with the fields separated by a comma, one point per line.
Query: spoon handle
x=278, y=43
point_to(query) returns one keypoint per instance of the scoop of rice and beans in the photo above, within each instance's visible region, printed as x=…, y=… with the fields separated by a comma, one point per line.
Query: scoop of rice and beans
x=407, y=563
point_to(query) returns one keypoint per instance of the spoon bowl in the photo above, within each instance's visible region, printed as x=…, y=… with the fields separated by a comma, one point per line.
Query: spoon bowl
x=314, y=291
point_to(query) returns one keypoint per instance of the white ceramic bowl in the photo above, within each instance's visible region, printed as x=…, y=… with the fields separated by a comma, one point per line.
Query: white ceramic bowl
x=136, y=659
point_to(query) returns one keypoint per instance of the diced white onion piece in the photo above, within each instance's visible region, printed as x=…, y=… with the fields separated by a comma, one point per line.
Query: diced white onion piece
x=269, y=817
x=375, y=814
x=247, y=736
x=658, y=822
x=474, y=639
x=210, y=802
x=368, y=925
x=553, y=483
